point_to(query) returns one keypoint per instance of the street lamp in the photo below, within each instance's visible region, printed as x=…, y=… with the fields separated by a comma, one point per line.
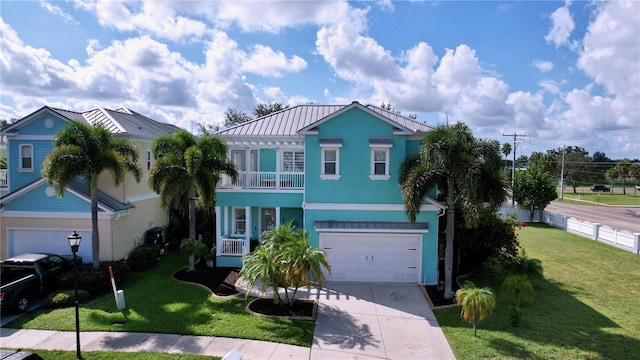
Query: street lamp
x=74, y=242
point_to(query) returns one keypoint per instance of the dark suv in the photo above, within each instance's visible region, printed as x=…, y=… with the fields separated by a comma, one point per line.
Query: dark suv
x=596, y=188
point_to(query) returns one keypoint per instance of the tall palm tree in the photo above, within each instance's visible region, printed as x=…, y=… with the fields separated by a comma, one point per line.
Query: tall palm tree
x=87, y=151
x=623, y=170
x=189, y=166
x=506, y=149
x=466, y=169
x=477, y=303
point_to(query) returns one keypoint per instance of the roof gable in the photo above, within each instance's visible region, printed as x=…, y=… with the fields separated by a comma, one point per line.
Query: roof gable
x=303, y=119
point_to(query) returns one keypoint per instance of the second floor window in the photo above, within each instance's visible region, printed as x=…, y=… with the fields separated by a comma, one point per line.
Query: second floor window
x=379, y=164
x=293, y=161
x=26, y=157
x=330, y=163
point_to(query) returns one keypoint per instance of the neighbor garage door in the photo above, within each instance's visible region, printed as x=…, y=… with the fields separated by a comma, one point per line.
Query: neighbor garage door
x=372, y=257
x=21, y=241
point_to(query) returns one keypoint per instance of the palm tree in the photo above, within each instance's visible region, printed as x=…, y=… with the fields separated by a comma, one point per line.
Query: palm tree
x=506, y=149
x=189, y=166
x=477, y=303
x=519, y=290
x=284, y=259
x=467, y=171
x=623, y=170
x=87, y=151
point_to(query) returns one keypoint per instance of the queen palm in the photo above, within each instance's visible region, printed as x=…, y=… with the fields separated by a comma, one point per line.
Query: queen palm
x=189, y=166
x=87, y=151
x=466, y=169
x=477, y=303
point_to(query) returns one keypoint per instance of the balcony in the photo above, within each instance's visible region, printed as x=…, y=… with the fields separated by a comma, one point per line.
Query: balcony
x=264, y=180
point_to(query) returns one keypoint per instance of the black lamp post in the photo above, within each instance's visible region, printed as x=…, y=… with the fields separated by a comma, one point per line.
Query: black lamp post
x=74, y=242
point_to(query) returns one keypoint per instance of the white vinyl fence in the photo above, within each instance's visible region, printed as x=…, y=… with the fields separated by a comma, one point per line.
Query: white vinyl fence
x=619, y=238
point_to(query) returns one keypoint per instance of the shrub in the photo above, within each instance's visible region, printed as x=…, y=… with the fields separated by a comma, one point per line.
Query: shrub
x=143, y=257
x=64, y=298
x=95, y=281
x=193, y=249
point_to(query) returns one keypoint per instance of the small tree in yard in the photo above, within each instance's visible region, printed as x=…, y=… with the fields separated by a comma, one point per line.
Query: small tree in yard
x=193, y=249
x=477, y=303
x=284, y=259
x=519, y=290
x=534, y=190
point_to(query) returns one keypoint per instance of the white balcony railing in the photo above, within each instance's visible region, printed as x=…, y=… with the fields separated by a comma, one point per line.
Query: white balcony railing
x=3, y=178
x=231, y=247
x=264, y=180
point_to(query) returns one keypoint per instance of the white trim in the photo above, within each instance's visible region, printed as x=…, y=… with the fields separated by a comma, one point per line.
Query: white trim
x=251, y=190
x=379, y=177
x=376, y=231
x=53, y=215
x=30, y=137
x=108, y=116
x=364, y=207
x=372, y=174
x=330, y=177
x=293, y=160
x=226, y=220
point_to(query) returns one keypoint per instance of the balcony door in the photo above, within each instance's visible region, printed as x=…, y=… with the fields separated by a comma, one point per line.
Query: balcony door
x=248, y=174
x=268, y=218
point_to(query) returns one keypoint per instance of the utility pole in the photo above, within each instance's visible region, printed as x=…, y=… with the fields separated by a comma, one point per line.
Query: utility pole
x=562, y=175
x=513, y=166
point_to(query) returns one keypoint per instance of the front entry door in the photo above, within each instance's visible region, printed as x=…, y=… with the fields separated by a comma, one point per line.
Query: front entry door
x=268, y=218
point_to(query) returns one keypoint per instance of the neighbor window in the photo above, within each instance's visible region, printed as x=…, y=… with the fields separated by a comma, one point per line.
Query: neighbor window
x=293, y=161
x=239, y=221
x=26, y=157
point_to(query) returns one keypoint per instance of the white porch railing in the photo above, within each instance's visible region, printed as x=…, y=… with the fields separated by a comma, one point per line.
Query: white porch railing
x=264, y=180
x=231, y=247
x=4, y=180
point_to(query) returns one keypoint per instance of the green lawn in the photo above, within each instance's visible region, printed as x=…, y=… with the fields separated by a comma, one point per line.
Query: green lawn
x=158, y=303
x=587, y=308
x=584, y=195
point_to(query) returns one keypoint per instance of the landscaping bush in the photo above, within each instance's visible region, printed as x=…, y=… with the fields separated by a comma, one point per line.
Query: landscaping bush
x=64, y=298
x=95, y=281
x=143, y=257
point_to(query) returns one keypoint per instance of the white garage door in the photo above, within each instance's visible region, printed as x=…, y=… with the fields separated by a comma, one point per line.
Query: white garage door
x=21, y=241
x=372, y=257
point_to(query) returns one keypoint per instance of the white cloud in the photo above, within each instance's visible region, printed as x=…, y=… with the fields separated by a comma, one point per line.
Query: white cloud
x=543, y=66
x=265, y=61
x=56, y=10
x=561, y=27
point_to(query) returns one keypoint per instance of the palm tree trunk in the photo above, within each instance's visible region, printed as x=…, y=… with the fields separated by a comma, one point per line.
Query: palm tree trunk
x=95, y=237
x=448, y=251
x=192, y=212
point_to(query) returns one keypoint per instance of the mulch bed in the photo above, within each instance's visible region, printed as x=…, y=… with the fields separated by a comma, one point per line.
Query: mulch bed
x=437, y=296
x=299, y=308
x=221, y=281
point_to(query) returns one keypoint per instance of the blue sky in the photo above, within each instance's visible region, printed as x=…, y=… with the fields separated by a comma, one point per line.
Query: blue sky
x=562, y=73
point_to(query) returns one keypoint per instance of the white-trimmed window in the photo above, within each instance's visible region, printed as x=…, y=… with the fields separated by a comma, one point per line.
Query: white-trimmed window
x=149, y=159
x=239, y=221
x=380, y=149
x=330, y=163
x=26, y=157
x=293, y=161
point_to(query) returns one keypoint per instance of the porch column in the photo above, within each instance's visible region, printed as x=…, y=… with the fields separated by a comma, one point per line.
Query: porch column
x=226, y=220
x=278, y=167
x=277, y=216
x=248, y=230
x=218, y=231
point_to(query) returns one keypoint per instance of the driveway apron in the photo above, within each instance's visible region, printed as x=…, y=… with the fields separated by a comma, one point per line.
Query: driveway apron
x=376, y=321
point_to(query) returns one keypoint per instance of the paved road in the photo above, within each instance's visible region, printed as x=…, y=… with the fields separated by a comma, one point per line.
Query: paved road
x=624, y=218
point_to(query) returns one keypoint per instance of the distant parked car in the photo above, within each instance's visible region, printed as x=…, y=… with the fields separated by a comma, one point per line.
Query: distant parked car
x=596, y=188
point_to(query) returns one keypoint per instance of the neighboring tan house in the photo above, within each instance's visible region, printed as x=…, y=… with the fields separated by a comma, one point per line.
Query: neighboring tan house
x=333, y=170
x=34, y=219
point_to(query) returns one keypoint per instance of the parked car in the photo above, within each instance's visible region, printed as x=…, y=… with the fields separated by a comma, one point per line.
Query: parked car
x=18, y=355
x=596, y=188
x=26, y=276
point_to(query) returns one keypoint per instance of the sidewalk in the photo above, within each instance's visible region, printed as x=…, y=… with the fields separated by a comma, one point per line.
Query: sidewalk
x=149, y=342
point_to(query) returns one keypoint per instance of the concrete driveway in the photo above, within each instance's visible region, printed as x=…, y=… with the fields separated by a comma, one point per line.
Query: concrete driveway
x=376, y=321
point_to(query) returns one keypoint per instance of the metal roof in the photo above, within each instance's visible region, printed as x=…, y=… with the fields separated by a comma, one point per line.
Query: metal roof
x=105, y=200
x=370, y=225
x=289, y=121
x=120, y=121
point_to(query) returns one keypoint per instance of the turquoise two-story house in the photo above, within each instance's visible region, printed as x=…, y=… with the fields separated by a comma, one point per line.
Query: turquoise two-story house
x=333, y=170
